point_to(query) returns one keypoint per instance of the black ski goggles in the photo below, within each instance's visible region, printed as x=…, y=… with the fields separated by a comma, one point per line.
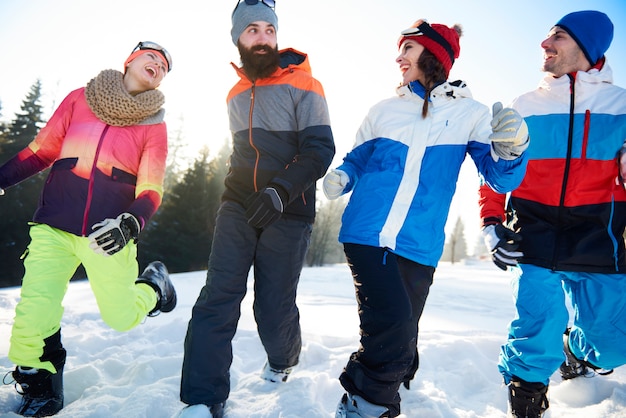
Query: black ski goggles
x=269, y=3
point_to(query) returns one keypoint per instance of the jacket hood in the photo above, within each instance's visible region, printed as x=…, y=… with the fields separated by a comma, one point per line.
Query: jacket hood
x=448, y=89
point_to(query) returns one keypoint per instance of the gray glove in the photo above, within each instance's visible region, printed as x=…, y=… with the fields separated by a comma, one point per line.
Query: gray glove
x=111, y=235
x=510, y=133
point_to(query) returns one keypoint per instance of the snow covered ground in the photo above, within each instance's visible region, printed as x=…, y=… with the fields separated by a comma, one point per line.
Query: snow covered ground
x=137, y=374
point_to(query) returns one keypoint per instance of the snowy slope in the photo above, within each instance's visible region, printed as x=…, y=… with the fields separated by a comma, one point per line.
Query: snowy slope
x=137, y=374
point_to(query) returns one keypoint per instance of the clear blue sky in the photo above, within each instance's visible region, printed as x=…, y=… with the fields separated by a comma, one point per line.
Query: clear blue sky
x=351, y=46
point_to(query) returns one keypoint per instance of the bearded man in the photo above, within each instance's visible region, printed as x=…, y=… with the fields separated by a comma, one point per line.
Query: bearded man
x=282, y=144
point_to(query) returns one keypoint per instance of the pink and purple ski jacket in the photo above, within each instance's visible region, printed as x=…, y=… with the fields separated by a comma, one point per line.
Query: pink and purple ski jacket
x=98, y=171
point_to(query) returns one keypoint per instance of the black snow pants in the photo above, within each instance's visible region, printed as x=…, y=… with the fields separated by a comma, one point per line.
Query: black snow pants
x=391, y=292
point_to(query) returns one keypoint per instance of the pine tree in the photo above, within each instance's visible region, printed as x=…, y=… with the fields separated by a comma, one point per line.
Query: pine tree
x=26, y=124
x=176, y=145
x=324, y=245
x=3, y=134
x=455, y=248
x=20, y=201
x=180, y=234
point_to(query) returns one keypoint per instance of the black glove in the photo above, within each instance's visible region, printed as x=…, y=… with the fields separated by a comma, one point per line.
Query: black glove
x=502, y=243
x=111, y=235
x=265, y=209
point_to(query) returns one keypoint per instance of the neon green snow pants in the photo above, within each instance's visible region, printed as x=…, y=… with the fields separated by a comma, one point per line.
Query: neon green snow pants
x=53, y=257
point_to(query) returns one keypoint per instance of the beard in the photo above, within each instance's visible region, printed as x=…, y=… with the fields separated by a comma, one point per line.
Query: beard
x=566, y=61
x=259, y=65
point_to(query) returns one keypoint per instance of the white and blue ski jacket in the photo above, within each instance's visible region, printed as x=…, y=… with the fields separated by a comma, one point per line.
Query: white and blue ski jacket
x=404, y=168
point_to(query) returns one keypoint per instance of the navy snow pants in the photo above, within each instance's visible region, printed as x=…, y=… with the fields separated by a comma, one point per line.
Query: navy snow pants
x=277, y=254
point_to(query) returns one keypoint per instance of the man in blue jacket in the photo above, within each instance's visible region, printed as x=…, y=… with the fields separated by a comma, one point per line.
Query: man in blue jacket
x=569, y=214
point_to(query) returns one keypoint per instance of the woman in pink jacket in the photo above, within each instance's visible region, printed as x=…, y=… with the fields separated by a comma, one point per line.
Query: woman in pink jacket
x=106, y=145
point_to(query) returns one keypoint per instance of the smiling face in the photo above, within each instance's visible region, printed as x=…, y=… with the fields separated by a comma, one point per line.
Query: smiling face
x=561, y=54
x=258, y=50
x=145, y=72
x=410, y=51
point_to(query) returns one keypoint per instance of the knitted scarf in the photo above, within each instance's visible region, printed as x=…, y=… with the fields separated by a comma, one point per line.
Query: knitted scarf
x=112, y=104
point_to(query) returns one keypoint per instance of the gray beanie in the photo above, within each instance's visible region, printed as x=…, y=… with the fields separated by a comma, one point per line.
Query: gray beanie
x=245, y=14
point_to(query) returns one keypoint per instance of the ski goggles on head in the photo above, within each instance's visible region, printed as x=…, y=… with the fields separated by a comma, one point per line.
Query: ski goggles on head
x=424, y=29
x=269, y=3
x=153, y=46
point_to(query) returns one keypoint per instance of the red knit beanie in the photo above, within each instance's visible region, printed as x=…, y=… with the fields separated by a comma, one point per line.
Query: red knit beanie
x=440, y=40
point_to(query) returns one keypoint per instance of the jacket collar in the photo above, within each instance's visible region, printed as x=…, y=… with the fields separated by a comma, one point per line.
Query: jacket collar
x=594, y=76
x=444, y=91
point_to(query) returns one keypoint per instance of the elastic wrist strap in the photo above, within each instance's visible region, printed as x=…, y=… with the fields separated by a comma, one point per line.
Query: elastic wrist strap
x=491, y=220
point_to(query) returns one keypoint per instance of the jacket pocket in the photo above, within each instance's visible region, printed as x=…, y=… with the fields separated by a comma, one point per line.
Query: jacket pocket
x=62, y=164
x=122, y=176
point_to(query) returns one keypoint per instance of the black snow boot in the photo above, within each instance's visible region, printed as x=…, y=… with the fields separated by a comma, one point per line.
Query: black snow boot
x=354, y=406
x=157, y=277
x=573, y=367
x=217, y=410
x=527, y=400
x=42, y=391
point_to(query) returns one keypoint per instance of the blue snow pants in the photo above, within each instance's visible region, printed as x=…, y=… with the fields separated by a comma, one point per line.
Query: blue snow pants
x=534, y=350
x=278, y=254
x=391, y=292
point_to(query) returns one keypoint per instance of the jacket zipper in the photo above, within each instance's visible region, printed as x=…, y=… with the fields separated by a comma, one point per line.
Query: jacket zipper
x=568, y=158
x=91, y=181
x=250, y=140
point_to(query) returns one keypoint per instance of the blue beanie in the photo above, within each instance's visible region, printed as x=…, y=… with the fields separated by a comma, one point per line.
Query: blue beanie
x=244, y=14
x=592, y=31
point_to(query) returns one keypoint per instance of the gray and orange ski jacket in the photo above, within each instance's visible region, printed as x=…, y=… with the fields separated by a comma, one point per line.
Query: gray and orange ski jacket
x=281, y=136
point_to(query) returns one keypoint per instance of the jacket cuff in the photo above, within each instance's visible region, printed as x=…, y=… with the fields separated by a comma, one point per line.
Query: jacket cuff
x=491, y=220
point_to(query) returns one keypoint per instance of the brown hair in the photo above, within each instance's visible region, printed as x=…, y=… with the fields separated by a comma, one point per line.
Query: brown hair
x=434, y=74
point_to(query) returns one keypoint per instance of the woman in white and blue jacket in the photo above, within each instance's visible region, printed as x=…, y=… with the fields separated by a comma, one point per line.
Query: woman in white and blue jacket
x=402, y=173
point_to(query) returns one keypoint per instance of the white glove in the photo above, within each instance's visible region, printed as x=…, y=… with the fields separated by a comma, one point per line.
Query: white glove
x=111, y=235
x=510, y=133
x=1, y=191
x=334, y=183
x=502, y=243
